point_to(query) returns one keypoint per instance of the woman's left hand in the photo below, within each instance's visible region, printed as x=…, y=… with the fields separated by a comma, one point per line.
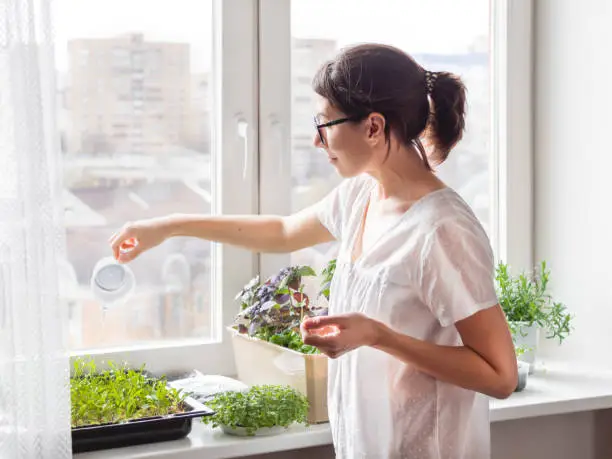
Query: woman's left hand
x=336, y=335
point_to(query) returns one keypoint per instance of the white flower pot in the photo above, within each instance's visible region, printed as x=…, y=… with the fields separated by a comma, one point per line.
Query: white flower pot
x=523, y=373
x=527, y=336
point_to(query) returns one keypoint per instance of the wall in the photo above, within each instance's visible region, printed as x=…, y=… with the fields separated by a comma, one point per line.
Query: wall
x=573, y=168
x=571, y=436
x=573, y=213
x=567, y=436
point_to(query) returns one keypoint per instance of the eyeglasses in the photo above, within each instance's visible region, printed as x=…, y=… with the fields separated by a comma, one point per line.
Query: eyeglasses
x=320, y=126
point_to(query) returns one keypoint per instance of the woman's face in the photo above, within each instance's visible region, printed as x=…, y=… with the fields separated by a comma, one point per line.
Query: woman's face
x=351, y=146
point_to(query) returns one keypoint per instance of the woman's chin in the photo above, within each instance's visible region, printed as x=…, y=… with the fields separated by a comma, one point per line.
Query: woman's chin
x=344, y=172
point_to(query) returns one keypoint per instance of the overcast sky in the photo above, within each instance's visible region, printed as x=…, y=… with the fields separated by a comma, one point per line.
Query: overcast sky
x=438, y=26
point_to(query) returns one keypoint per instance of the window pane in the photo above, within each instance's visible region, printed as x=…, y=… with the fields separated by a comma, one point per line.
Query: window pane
x=440, y=35
x=134, y=101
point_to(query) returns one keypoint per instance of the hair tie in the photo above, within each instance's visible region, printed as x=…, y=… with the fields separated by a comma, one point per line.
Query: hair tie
x=430, y=80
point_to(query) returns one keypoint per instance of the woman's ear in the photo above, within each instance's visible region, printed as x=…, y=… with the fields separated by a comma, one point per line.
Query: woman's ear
x=375, y=128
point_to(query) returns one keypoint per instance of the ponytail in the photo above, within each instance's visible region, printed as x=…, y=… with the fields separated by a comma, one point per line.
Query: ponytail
x=447, y=118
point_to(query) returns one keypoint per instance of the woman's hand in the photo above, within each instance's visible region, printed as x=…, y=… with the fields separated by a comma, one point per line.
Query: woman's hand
x=336, y=335
x=137, y=237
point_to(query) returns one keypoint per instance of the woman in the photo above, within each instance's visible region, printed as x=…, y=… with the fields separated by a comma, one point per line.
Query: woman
x=415, y=332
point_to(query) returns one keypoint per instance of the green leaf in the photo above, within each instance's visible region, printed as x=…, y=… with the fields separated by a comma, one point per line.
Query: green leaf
x=118, y=394
x=525, y=298
x=306, y=271
x=260, y=406
x=327, y=273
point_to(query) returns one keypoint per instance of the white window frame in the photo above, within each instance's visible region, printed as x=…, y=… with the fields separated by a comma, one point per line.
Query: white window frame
x=275, y=119
x=512, y=131
x=234, y=140
x=253, y=130
x=511, y=125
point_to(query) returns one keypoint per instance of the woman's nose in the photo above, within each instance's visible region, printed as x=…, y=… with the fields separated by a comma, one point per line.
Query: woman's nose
x=317, y=141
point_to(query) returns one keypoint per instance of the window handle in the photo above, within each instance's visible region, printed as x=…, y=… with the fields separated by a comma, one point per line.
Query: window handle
x=246, y=134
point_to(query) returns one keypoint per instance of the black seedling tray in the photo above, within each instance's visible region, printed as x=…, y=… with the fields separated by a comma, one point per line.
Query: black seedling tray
x=138, y=431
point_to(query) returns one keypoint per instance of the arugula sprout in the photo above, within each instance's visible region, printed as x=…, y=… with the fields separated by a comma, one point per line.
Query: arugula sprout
x=119, y=394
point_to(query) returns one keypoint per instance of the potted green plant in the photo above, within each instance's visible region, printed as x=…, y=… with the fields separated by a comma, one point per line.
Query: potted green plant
x=530, y=308
x=523, y=369
x=260, y=410
x=268, y=348
x=121, y=406
x=273, y=310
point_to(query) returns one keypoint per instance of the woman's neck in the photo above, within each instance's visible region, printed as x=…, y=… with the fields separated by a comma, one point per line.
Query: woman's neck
x=404, y=176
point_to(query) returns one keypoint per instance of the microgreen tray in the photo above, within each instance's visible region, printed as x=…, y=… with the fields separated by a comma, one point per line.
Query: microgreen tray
x=138, y=431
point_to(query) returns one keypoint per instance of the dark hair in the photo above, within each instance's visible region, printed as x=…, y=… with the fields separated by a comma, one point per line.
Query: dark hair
x=377, y=78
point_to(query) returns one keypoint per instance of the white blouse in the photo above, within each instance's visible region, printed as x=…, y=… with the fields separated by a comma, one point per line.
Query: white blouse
x=431, y=267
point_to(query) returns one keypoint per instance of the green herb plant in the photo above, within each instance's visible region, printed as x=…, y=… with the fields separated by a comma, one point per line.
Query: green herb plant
x=273, y=310
x=258, y=407
x=118, y=394
x=525, y=298
x=290, y=339
x=327, y=274
x=520, y=350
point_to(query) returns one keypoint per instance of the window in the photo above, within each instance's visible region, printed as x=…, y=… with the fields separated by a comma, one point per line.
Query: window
x=463, y=46
x=150, y=144
x=171, y=164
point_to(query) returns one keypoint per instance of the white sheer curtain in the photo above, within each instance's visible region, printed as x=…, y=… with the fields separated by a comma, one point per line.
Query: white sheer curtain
x=34, y=391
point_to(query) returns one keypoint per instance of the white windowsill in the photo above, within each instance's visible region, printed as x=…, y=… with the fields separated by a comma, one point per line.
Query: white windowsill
x=557, y=389
x=554, y=390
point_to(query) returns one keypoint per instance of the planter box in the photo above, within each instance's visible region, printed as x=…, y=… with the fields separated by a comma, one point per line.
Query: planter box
x=138, y=431
x=261, y=362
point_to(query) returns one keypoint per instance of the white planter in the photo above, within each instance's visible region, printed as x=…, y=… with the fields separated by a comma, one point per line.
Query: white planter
x=261, y=432
x=527, y=336
x=523, y=373
x=261, y=362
